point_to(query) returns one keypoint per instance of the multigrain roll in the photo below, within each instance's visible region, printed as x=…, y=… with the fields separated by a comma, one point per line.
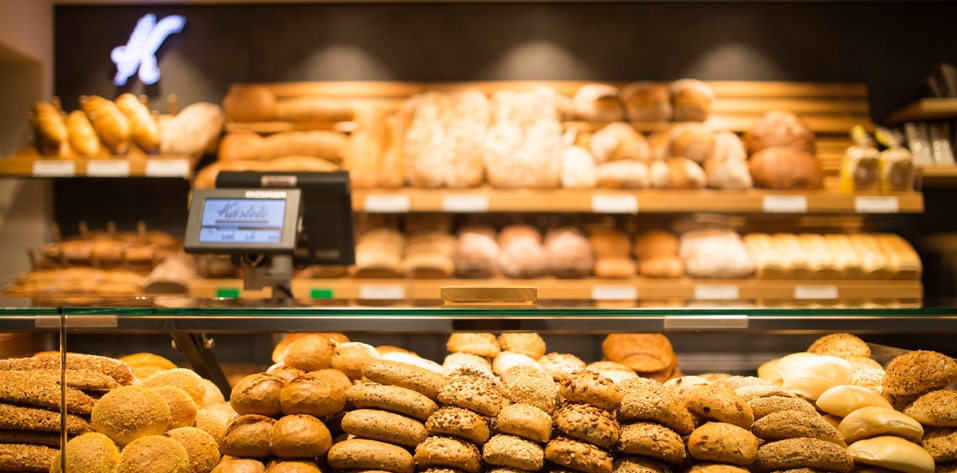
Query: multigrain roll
x=723, y=443
x=591, y=388
x=840, y=344
x=764, y=406
x=721, y=404
x=636, y=464
x=91, y=452
x=130, y=412
x=796, y=453
x=795, y=424
x=454, y=361
x=531, y=385
x=647, y=400
x=363, y=454
x=653, y=440
x=449, y=452
x=513, y=452
x=384, y=426
x=153, y=454
x=940, y=443
x=578, y=456
x=507, y=360
x=560, y=365
x=936, y=408
x=396, y=373
x=588, y=423
x=474, y=392
x=463, y=423
x=391, y=398
x=915, y=373
x=525, y=421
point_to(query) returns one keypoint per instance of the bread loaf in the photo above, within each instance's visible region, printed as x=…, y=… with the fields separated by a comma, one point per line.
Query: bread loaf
x=676, y=173
x=249, y=103
x=598, y=103
x=569, y=254
x=314, y=109
x=786, y=168
x=691, y=99
x=144, y=131
x=240, y=146
x=83, y=138
x=193, y=131
x=779, y=128
x=623, y=175
x=693, y=141
x=578, y=168
x=110, y=124
x=618, y=141
x=476, y=253
x=50, y=131
x=523, y=255
x=647, y=101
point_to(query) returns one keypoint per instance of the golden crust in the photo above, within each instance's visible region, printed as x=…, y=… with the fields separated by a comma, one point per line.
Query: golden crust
x=513, y=452
x=579, y=456
x=530, y=344
x=384, y=426
x=463, y=423
x=642, y=352
x=724, y=443
x=936, y=408
x=92, y=452
x=721, y=404
x=391, y=398
x=591, y=388
x=915, y=373
x=653, y=440
x=130, y=412
x=449, y=452
x=529, y=385
x=840, y=344
x=793, y=424
x=182, y=409
x=396, y=373
x=201, y=448
x=153, y=454
x=803, y=453
x=588, y=423
x=17, y=457
x=300, y=436
x=525, y=421
x=481, y=344
x=182, y=378
x=648, y=400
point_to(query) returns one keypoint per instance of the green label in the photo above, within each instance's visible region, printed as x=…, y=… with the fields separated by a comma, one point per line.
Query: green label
x=320, y=293
x=227, y=293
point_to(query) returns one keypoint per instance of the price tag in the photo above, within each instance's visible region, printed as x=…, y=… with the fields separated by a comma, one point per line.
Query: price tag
x=389, y=291
x=320, y=293
x=876, y=205
x=387, y=203
x=716, y=292
x=108, y=168
x=614, y=293
x=614, y=204
x=815, y=292
x=54, y=168
x=167, y=168
x=465, y=203
x=789, y=204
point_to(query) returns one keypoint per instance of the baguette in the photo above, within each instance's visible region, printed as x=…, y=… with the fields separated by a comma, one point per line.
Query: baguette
x=314, y=109
x=116, y=369
x=905, y=262
x=144, y=131
x=50, y=130
x=29, y=437
x=319, y=144
x=21, y=387
x=110, y=124
x=83, y=138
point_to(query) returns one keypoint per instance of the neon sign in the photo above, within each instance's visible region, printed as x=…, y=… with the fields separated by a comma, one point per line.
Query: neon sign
x=140, y=51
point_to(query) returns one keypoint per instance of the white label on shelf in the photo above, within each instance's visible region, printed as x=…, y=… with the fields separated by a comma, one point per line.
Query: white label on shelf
x=794, y=204
x=54, y=168
x=614, y=204
x=876, y=204
x=815, y=292
x=614, y=293
x=379, y=291
x=108, y=168
x=465, y=203
x=387, y=203
x=167, y=168
x=716, y=292
x=692, y=322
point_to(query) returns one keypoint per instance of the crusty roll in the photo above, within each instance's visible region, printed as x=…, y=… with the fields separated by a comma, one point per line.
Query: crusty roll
x=786, y=168
x=50, y=131
x=691, y=99
x=643, y=352
x=83, y=138
x=617, y=141
x=778, y=128
x=647, y=101
x=893, y=453
x=144, y=130
x=249, y=103
x=598, y=102
x=109, y=122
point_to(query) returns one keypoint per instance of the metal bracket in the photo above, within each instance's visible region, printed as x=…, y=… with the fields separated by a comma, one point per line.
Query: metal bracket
x=201, y=359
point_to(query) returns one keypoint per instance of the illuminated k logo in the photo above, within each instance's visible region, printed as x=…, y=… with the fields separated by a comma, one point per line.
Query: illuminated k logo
x=140, y=51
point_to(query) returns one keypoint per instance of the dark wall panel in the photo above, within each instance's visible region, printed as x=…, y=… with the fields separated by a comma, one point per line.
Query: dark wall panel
x=891, y=46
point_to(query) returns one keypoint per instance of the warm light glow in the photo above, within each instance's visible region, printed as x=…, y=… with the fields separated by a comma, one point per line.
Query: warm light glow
x=140, y=51
x=536, y=60
x=731, y=61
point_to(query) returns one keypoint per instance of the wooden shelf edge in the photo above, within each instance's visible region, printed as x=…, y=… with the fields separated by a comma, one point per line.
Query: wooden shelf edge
x=924, y=110
x=157, y=166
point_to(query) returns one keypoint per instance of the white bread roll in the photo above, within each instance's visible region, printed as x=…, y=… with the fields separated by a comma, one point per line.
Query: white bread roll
x=893, y=453
x=874, y=421
x=578, y=168
x=817, y=375
x=844, y=399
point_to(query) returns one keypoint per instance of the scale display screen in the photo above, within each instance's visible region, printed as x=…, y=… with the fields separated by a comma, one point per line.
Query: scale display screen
x=243, y=221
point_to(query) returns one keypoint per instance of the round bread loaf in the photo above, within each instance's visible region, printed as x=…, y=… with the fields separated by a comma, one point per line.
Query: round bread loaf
x=591, y=388
x=530, y=344
x=310, y=352
x=643, y=352
x=598, y=102
x=530, y=385
x=619, y=141
x=764, y=406
x=130, y=412
x=723, y=443
x=258, y=393
x=363, y=454
x=201, y=448
x=653, y=440
x=693, y=141
x=332, y=376
x=784, y=168
x=588, y=423
x=281, y=348
x=796, y=453
x=91, y=452
x=647, y=400
x=940, y=443
x=449, y=452
x=513, y=452
x=525, y=421
x=915, y=373
x=286, y=373
x=182, y=378
x=473, y=392
x=456, y=360
x=721, y=404
x=642, y=465
x=873, y=421
x=795, y=424
x=936, y=408
x=384, y=426
x=893, y=453
x=213, y=421
x=391, y=398
x=182, y=409
x=300, y=436
x=153, y=454
x=250, y=103
x=239, y=465
x=691, y=100
x=313, y=395
x=655, y=243
x=578, y=456
x=779, y=128
x=408, y=376
x=292, y=466
x=647, y=101
x=248, y=436
x=350, y=357
x=840, y=344
x=560, y=365
x=459, y=422
x=845, y=399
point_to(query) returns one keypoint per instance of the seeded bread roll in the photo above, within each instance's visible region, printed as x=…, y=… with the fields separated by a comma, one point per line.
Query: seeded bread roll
x=803, y=453
x=915, y=373
x=840, y=344
x=391, y=398
x=724, y=443
x=513, y=452
x=473, y=392
x=764, y=406
x=459, y=422
x=397, y=373
x=653, y=440
x=384, y=426
x=579, y=456
x=560, y=365
x=130, y=412
x=454, y=361
x=588, y=423
x=450, y=452
x=531, y=385
x=795, y=424
x=721, y=404
x=648, y=465
x=936, y=408
x=525, y=421
x=362, y=454
x=647, y=400
x=591, y=388
x=940, y=443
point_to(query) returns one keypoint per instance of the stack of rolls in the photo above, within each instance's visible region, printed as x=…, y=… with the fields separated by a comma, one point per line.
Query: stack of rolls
x=612, y=250
x=654, y=420
x=622, y=155
x=586, y=424
x=524, y=426
x=657, y=254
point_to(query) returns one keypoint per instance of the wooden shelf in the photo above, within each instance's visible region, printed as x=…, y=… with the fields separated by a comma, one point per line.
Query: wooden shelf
x=486, y=199
x=582, y=289
x=938, y=176
x=924, y=110
x=160, y=166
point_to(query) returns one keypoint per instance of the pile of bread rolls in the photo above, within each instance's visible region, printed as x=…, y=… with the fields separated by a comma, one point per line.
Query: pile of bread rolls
x=122, y=414
x=102, y=128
